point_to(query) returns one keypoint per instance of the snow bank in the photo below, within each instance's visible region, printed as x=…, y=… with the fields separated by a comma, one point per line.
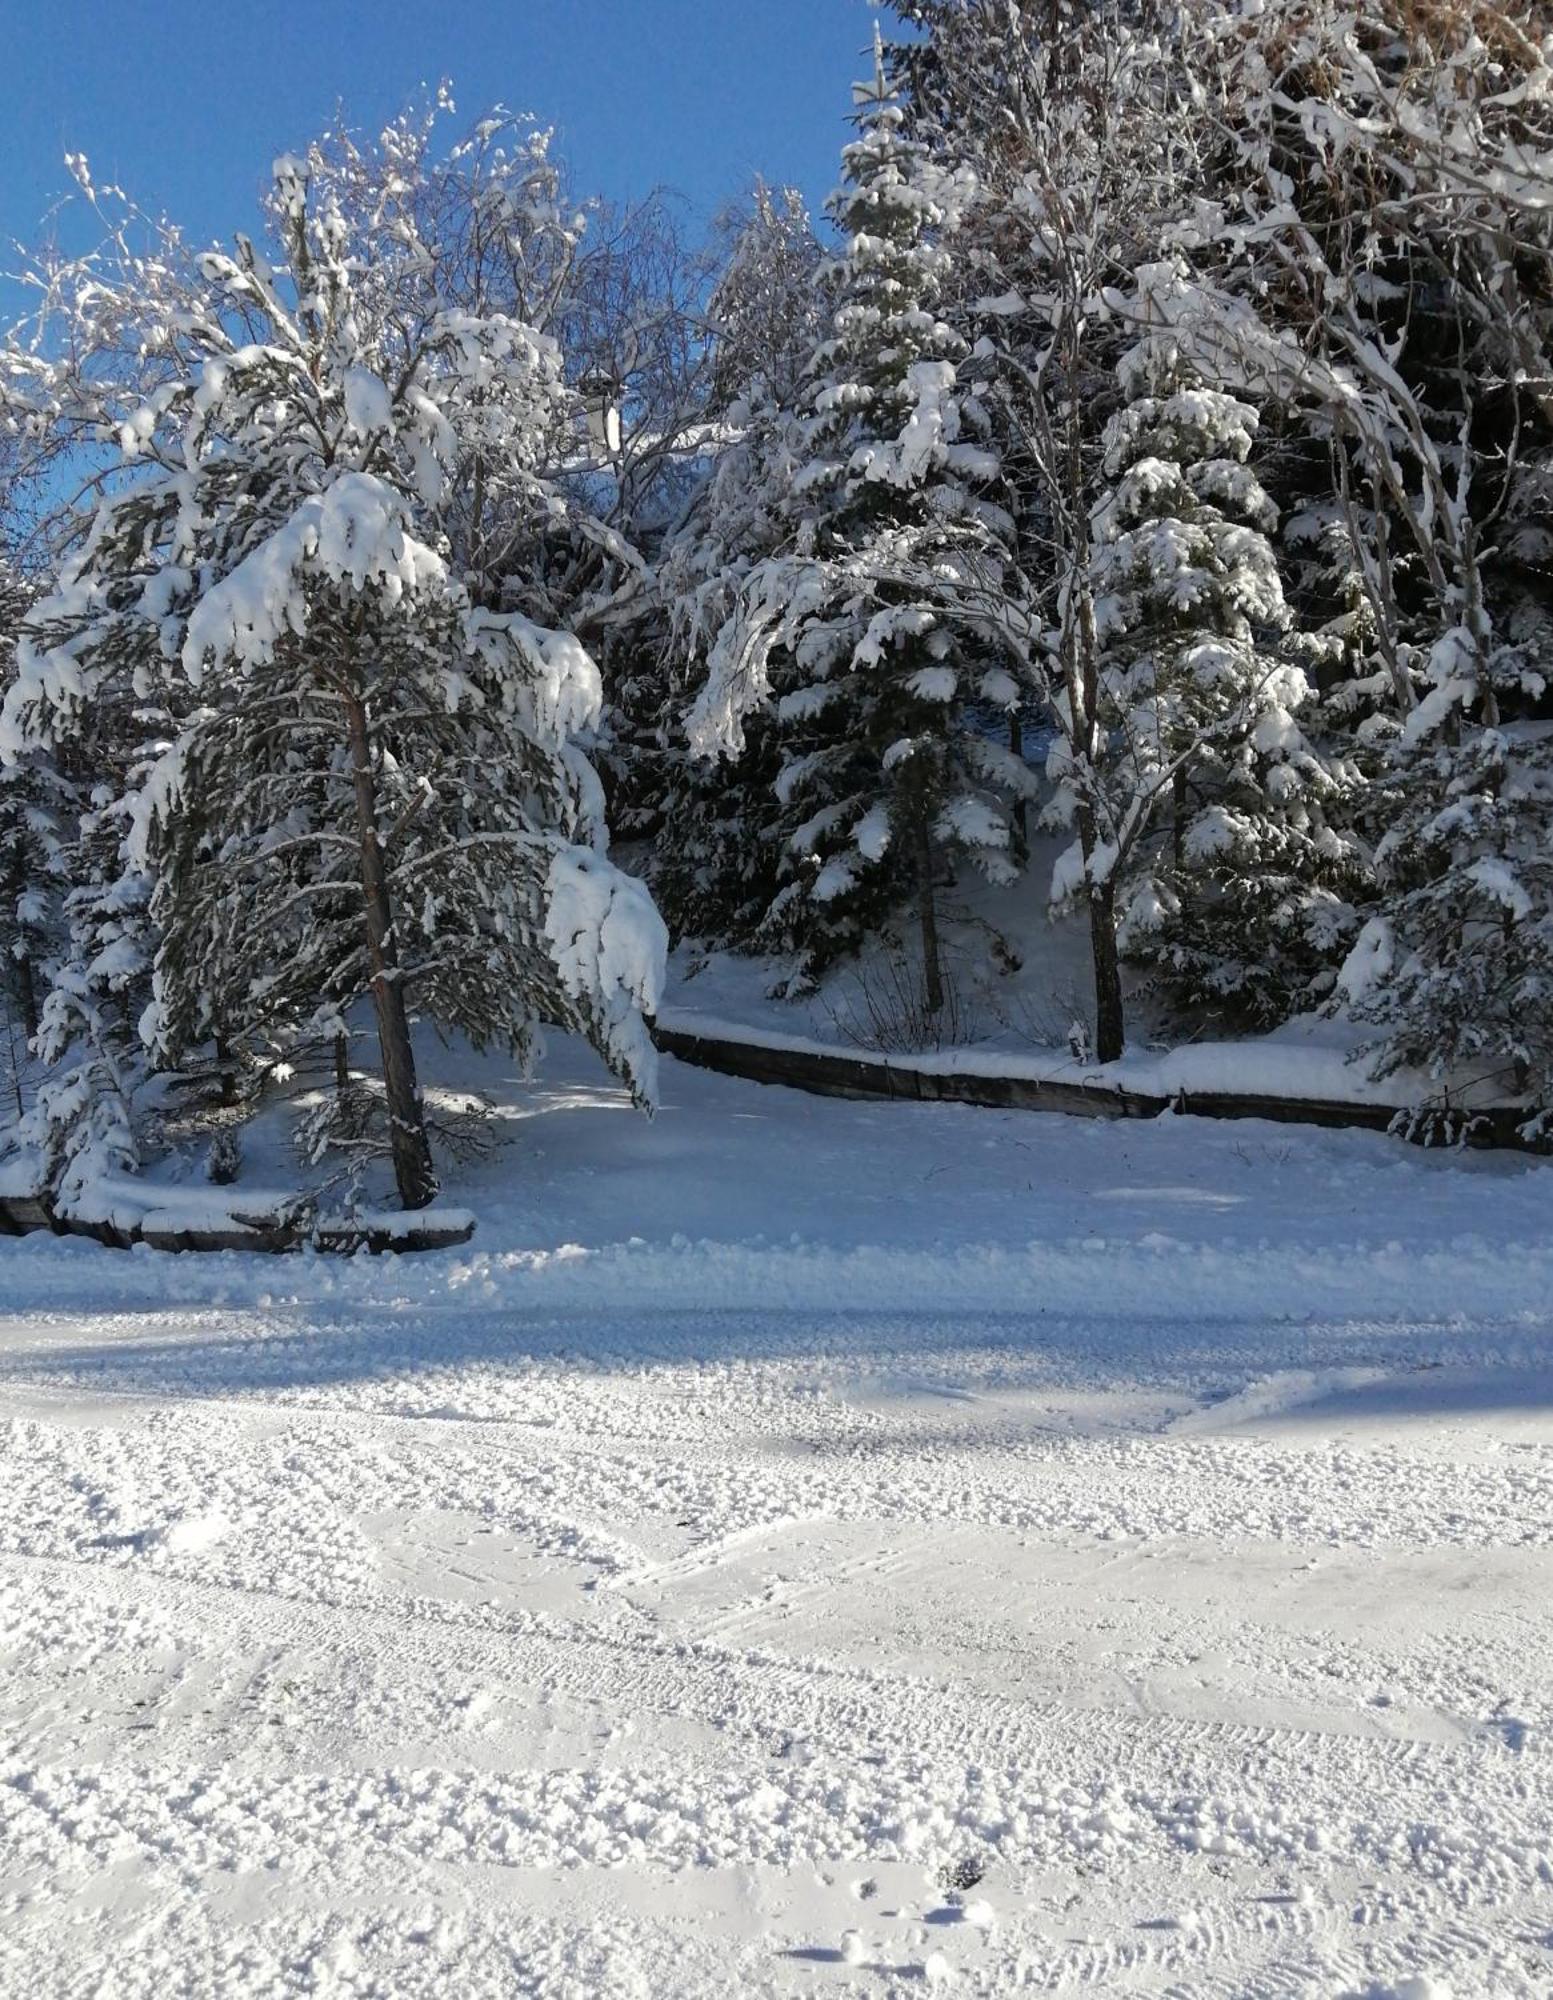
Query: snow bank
x=123, y=1209
x=1108, y=1278
x=398, y=1224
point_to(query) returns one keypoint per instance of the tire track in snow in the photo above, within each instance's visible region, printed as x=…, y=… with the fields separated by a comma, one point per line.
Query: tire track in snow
x=1181, y=1777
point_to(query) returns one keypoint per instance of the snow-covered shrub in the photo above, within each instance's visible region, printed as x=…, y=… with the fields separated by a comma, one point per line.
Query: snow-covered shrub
x=883, y=1005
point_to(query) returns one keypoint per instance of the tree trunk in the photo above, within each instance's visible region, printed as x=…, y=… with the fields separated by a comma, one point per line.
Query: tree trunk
x=1083, y=678
x=226, y=1070
x=1101, y=897
x=21, y=966
x=413, y=1171
x=28, y=993
x=927, y=911
x=1178, y=819
x=1109, y=1026
x=342, y=1068
x=1016, y=748
x=16, y=1068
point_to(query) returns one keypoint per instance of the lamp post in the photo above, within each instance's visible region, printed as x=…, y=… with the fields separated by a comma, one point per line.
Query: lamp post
x=601, y=401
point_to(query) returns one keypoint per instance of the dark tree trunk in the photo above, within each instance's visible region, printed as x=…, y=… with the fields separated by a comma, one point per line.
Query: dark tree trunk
x=1109, y=1024
x=21, y=966
x=16, y=1068
x=1110, y=1027
x=927, y=912
x=1178, y=818
x=342, y=1070
x=226, y=1070
x=413, y=1171
x=1016, y=747
x=27, y=993
x=1083, y=677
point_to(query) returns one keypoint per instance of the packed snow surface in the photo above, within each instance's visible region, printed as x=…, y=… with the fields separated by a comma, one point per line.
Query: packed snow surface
x=804, y=1548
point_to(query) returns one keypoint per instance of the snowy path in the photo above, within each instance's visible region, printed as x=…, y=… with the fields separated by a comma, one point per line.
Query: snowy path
x=512, y=1622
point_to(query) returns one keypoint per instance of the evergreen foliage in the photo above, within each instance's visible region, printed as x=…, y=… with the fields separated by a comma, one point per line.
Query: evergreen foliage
x=1232, y=878
x=360, y=782
x=1176, y=395
x=852, y=628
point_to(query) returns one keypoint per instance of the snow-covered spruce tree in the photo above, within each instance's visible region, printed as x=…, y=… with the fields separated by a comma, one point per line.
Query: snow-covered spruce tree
x=1401, y=158
x=1456, y=968
x=77, y=701
x=1230, y=882
x=717, y=860
x=369, y=784
x=36, y=815
x=1083, y=148
x=856, y=630
x=767, y=307
x=717, y=852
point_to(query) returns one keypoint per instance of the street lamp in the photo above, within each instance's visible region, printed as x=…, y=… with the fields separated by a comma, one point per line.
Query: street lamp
x=601, y=401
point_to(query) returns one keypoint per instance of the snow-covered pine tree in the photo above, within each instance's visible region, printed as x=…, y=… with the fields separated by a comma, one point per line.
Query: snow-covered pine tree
x=79, y=702
x=1083, y=148
x=1399, y=297
x=36, y=814
x=717, y=854
x=767, y=308
x=1207, y=847
x=371, y=784
x=1231, y=882
x=857, y=630
x=1456, y=968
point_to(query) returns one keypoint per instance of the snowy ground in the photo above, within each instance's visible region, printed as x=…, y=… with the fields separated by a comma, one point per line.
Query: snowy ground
x=798, y=1548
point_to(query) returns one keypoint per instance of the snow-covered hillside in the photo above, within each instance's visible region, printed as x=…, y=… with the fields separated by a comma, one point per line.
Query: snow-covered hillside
x=797, y=1548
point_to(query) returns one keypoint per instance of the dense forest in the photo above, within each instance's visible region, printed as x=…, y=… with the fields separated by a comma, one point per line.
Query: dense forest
x=1135, y=494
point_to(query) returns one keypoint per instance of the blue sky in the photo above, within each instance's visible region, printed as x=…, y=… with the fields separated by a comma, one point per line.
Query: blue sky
x=185, y=102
